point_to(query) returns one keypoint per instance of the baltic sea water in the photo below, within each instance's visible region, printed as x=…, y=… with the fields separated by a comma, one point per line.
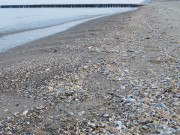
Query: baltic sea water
x=23, y=25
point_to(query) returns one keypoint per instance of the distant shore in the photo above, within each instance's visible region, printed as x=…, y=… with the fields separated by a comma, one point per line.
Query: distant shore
x=114, y=75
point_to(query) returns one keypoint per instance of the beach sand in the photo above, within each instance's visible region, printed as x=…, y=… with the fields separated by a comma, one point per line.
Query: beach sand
x=117, y=74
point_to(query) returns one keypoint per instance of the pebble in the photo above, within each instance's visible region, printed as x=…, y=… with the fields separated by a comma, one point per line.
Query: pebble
x=92, y=125
x=9, y=133
x=85, y=67
x=145, y=127
x=71, y=113
x=173, y=130
x=122, y=87
x=118, y=125
x=117, y=122
x=81, y=113
x=130, y=100
x=25, y=112
x=105, y=115
x=161, y=105
x=5, y=110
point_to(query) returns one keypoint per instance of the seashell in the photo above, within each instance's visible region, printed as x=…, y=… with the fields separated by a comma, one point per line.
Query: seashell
x=25, y=112
x=162, y=105
x=122, y=87
x=106, y=73
x=50, y=88
x=118, y=78
x=173, y=130
x=153, y=86
x=90, y=130
x=102, y=130
x=130, y=100
x=47, y=70
x=145, y=127
x=5, y=110
x=175, y=116
x=70, y=93
x=112, y=129
x=81, y=113
x=105, y=115
x=16, y=114
x=9, y=133
x=118, y=128
x=71, y=113
x=117, y=122
x=85, y=67
x=92, y=125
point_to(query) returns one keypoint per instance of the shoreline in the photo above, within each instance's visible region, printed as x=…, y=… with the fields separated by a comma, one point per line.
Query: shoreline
x=23, y=37
x=20, y=38
x=117, y=74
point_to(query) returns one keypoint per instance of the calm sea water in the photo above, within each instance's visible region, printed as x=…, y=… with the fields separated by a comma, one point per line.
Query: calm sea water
x=20, y=26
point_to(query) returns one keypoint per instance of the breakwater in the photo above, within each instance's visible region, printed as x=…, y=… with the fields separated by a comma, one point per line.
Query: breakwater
x=71, y=6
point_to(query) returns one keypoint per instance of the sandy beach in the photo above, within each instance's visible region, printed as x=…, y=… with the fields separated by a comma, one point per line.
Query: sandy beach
x=117, y=75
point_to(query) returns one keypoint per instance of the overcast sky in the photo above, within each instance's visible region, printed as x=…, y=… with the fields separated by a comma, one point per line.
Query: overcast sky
x=18, y=2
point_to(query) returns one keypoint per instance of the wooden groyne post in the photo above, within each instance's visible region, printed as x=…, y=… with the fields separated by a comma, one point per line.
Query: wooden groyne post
x=71, y=6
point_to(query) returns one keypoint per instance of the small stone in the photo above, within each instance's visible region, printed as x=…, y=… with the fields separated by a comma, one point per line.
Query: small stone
x=97, y=83
x=81, y=113
x=25, y=112
x=50, y=88
x=90, y=130
x=118, y=125
x=106, y=73
x=161, y=105
x=118, y=128
x=153, y=86
x=126, y=70
x=117, y=122
x=105, y=115
x=71, y=113
x=176, y=127
x=92, y=125
x=102, y=130
x=173, y=130
x=129, y=96
x=175, y=116
x=112, y=129
x=122, y=87
x=145, y=127
x=130, y=100
x=47, y=70
x=176, y=103
x=110, y=119
x=9, y=133
x=70, y=93
x=7, y=128
x=118, y=78
x=5, y=110
x=85, y=67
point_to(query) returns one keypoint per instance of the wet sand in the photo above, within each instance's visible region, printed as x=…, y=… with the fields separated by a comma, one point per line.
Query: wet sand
x=118, y=74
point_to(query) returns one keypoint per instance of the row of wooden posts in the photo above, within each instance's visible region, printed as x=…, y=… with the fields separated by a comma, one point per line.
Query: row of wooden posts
x=71, y=6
